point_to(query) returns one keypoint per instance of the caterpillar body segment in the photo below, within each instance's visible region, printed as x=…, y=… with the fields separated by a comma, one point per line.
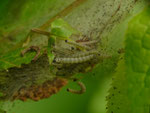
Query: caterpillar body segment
x=74, y=60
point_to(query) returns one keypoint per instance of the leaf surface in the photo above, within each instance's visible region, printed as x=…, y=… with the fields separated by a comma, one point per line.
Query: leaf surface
x=130, y=87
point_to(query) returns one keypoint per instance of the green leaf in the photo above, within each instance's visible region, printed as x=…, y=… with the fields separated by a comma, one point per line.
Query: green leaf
x=92, y=22
x=19, y=17
x=2, y=111
x=20, y=20
x=14, y=59
x=61, y=28
x=15, y=26
x=131, y=86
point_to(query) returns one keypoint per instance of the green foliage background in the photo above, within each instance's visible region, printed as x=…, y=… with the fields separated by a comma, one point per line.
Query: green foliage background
x=131, y=93
x=32, y=14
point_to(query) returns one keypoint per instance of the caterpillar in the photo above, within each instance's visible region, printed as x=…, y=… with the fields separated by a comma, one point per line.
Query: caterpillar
x=81, y=46
x=81, y=91
x=88, y=42
x=73, y=60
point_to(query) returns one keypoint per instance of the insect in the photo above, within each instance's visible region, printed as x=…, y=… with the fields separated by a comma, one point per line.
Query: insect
x=81, y=91
x=74, y=60
x=77, y=58
x=61, y=30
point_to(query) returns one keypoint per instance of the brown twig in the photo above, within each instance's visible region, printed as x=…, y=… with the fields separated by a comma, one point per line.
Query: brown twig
x=35, y=48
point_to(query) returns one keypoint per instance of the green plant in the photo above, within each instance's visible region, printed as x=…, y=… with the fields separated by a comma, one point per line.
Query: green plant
x=20, y=76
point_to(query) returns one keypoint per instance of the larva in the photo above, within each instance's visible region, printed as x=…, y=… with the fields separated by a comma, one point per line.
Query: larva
x=74, y=60
x=88, y=42
x=82, y=86
x=78, y=45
